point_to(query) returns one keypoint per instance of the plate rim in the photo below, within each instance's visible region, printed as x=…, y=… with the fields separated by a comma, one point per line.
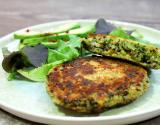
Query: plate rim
x=10, y=108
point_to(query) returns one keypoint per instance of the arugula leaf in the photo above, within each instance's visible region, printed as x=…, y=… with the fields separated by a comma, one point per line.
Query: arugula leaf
x=65, y=51
x=11, y=76
x=69, y=52
x=38, y=74
x=54, y=55
x=74, y=41
x=121, y=33
x=134, y=35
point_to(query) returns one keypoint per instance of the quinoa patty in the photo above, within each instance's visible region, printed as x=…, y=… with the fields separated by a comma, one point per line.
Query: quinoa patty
x=93, y=84
x=147, y=55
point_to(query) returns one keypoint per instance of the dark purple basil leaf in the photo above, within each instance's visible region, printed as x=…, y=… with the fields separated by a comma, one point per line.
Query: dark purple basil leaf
x=103, y=27
x=36, y=55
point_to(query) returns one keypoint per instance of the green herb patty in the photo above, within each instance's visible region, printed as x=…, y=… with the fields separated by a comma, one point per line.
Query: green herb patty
x=93, y=84
x=145, y=54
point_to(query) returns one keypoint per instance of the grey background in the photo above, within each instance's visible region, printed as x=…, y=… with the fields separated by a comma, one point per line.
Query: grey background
x=17, y=14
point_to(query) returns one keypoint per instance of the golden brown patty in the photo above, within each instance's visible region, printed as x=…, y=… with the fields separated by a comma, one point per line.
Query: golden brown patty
x=92, y=84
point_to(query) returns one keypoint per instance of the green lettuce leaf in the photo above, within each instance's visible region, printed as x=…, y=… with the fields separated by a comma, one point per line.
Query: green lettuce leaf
x=58, y=53
x=38, y=74
x=135, y=35
x=74, y=41
x=65, y=51
x=54, y=55
x=121, y=33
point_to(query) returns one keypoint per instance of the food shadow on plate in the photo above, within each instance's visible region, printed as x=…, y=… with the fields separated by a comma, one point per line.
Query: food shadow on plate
x=68, y=112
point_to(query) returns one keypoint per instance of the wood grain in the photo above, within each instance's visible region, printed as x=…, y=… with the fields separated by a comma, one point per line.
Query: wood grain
x=17, y=14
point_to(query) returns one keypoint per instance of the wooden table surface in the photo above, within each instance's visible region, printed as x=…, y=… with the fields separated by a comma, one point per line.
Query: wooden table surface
x=17, y=14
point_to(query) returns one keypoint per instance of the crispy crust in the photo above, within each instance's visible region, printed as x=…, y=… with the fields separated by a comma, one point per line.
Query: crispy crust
x=92, y=84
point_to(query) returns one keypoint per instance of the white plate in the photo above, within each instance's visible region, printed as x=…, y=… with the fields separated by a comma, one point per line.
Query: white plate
x=31, y=101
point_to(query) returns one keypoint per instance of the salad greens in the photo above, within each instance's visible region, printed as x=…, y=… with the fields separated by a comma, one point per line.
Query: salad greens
x=28, y=56
x=63, y=51
x=32, y=40
x=39, y=52
x=121, y=33
x=132, y=35
x=13, y=61
x=38, y=74
x=43, y=57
